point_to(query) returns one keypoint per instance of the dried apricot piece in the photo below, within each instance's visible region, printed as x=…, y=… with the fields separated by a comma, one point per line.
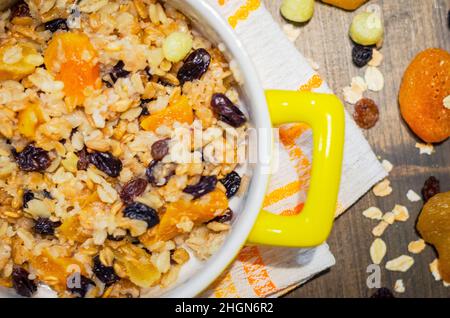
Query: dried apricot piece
x=346, y=4
x=29, y=119
x=73, y=59
x=425, y=84
x=434, y=227
x=18, y=61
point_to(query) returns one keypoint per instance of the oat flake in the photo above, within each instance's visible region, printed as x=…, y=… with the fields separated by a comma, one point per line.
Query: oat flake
x=447, y=102
x=416, y=247
x=413, y=196
x=380, y=228
x=401, y=213
x=399, y=286
x=400, y=264
x=374, y=79
x=373, y=213
x=387, y=166
x=426, y=149
x=377, y=251
x=383, y=188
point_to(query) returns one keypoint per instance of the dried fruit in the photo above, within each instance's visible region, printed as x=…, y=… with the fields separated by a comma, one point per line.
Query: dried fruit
x=160, y=149
x=205, y=185
x=142, y=212
x=133, y=189
x=27, y=196
x=431, y=187
x=29, y=119
x=56, y=24
x=361, y=55
x=434, y=227
x=158, y=173
x=297, y=10
x=44, y=226
x=18, y=61
x=383, y=292
x=106, y=162
x=105, y=274
x=226, y=111
x=32, y=159
x=366, y=113
x=144, y=107
x=225, y=217
x=366, y=28
x=21, y=283
x=81, y=285
x=83, y=159
x=231, y=182
x=346, y=4
x=118, y=71
x=195, y=65
x=424, y=86
x=20, y=14
x=176, y=46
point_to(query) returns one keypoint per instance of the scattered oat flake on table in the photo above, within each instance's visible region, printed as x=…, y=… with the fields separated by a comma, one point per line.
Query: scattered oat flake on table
x=377, y=58
x=434, y=269
x=374, y=79
x=377, y=251
x=413, y=196
x=387, y=165
x=383, y=188
x=315, y=66
x=447, y=102
x=400, y=264
x=416, y=247
x=373, y=213
x=380, y=228
x=427, y=149
x=399, y=286
x=351, y=95
x=401, y=213
x=358, y=83
x=291, y=32
x=389, y=217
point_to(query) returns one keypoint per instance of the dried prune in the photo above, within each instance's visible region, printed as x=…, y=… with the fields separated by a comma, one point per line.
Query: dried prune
x=133, y=189
x=382, y=292
x=231, y=182
x=79, y=285
x=225, y=217
x=195, y=65
x=226, y=111
x=44, y=226
x=366, y=113
x=160, y=149
x=118, y=71
x=32, y=159
x=158, y=173
x=361, y=55
x=20, y=10
x=431, y=187
x=83, y=159
x=56, y=24
x=26, y=197
x=105, y=274
x=106, y=162
x=21, y=283
x=206, y=185
x=142, y=212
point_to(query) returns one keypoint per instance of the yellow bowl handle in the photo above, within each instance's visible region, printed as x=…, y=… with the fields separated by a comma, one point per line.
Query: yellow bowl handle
x=311, y=227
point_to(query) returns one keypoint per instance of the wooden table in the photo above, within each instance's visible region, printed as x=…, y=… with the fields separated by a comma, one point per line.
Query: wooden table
x=410, y=26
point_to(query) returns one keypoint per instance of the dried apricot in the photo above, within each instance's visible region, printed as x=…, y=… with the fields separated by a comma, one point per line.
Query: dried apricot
x=73, y=59
x=434, y=227
x=425, y=84
x=346, y=4
x=29, y=119
x=18, y=61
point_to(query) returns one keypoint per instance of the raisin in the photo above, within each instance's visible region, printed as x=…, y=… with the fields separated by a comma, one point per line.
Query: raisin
x=206, y=185
x=144, y=106
x=195, y=65
x=142, y=212
x=448, y=19
x=160, y=149
x=47, y=194
x=231, y=182
x=148, y=73
x=226, y=111
x=382, y=292
x=106, y=162
x=105, y=274
x=132, y=189
x=115, y=238
x=366, y=113
x=56, y=24
x=20, y=10
x=83, y=159
x=361, y=55
x=21, y=283
x=158, y=173
x=44, y=226
x=32, y=159
x=118, y=71
x=80, y=286
x=225, y=217
x=26, y=197
x=430, y=188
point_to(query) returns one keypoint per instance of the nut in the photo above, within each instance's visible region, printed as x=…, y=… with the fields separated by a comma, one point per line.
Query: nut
x=400, y=264
x=377, y=251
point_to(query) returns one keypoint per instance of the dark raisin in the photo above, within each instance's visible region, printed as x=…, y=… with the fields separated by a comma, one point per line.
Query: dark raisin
x=204, y=186
x=195, y=65
x=105, y=274
x=226, y=111
x=32, y=159
x=448, y=19
x=148, y=73
x=361, y=55
x=133, y=189
x=430, y=188
x=160, y=149
x=44, y=226
x=47, y=194
x=79, y=285
x=83, y=159
x=165, y=83
x=225, y=217
x=140, y=211
x=107, y=83
x=118, y=71
x=115, y=238
x=158, y=173
x=26, y=197
x=20, y=10
x=56, y=24
x=231, y=182
x=21, y=283
x=366, y=113
x=144, y=106
x=382, y=292
x=106, y=162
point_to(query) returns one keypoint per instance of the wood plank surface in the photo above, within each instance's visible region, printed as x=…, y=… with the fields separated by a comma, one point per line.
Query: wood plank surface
x=410, y=26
